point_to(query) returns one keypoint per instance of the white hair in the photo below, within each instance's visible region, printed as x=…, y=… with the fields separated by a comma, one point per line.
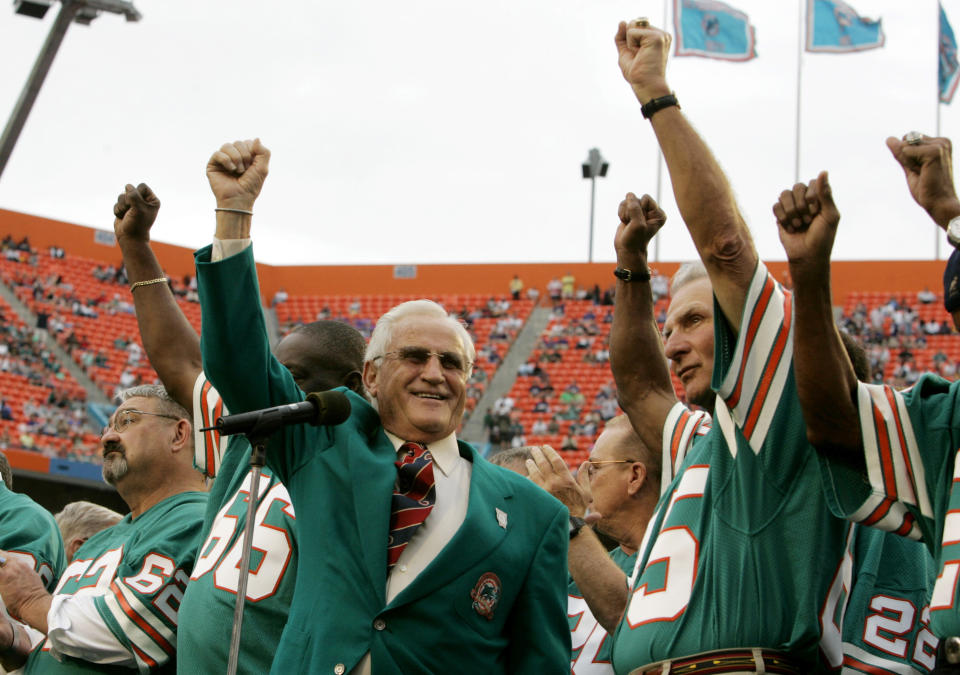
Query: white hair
x=383, y=332
x=168, y=404
x=687, y=272
x=81, y=520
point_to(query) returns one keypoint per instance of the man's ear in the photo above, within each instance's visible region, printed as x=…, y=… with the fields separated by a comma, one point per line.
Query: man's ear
x=638, y=478
x=370, y=378
x=182, y=436
x=354, y=382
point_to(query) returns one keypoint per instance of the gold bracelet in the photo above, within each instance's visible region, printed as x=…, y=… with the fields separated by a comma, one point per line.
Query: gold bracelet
x=148, y=282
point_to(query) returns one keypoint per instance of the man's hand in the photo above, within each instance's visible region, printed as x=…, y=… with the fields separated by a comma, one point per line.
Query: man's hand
x=23, y=591
x=548, y=470
x=640, y=220
x=236, y=173
x=928, y=167
x=134, y=212
x=807, y=220
x=643, y=58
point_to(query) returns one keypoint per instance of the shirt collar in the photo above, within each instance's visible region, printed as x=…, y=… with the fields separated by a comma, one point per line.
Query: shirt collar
x=445, y=452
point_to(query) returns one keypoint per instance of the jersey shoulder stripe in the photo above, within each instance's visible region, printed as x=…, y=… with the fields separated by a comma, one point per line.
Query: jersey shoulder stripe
x=681, y=427
x=207, y=407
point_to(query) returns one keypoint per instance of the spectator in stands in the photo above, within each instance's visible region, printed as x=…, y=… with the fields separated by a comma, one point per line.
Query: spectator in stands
x=539, y=427
x=78, y=521
x=554, y=290
x=616, y=491
x=6, y=412
x=568, y=443
x=280, y=297
x=147, y=449
x=319, y=356
x=516, y=287
x=568, y=285
x=926, y=296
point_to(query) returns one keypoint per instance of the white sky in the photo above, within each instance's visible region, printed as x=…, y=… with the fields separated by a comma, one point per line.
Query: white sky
x=436, y=131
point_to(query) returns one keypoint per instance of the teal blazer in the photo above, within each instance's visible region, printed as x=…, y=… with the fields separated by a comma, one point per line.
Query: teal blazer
x=492, y=601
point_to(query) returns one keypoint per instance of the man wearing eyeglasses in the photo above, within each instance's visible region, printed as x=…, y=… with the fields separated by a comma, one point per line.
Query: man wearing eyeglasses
x=617, y=490
x=116, y=604
x=418, y=555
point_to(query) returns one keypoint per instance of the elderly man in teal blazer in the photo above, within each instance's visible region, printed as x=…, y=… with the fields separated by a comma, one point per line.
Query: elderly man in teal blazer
x=479, y=587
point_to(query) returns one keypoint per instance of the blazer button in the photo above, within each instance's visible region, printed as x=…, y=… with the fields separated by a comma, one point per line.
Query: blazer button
x=379, y=624
x=339, y=669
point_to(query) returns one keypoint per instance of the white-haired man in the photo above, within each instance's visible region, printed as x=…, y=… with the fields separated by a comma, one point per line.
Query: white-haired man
x=116, y=604
x=78, y=521
x=422, y=556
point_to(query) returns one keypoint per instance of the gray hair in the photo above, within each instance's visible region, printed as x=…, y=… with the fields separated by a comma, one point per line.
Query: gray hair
x=81, y=520
x=687, y=272
x=383, y=332
x=510, y=456
x=168, y=404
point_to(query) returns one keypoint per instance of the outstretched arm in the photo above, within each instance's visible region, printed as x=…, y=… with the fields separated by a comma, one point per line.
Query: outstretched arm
x=172, y=345
x=807, y=219
x=636, y=351
x=703, y=194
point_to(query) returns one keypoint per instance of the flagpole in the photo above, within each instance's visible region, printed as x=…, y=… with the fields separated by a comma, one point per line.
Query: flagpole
x=936, y=228
x=796, y=167
x=656, y=239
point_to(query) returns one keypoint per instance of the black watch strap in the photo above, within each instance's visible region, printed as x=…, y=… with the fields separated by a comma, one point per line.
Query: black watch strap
x=576, y=524
x=623, y=274
x=656, y=104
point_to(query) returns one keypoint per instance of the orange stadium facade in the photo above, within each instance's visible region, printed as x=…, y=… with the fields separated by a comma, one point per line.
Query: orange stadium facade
x=898, y=276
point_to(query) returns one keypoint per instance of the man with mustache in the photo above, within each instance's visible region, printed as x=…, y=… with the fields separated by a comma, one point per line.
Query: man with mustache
x=115, y=607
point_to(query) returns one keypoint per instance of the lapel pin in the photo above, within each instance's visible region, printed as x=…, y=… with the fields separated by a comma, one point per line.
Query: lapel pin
x=501, y=518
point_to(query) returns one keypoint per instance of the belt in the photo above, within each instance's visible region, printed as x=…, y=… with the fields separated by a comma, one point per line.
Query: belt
x=730, y=661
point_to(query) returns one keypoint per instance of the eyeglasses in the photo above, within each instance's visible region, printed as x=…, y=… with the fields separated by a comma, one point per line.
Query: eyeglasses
x=592, y=464
x=418, y=357
x=125, y=418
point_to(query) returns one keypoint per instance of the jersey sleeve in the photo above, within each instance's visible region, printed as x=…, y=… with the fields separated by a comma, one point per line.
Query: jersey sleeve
x=909, y=445
x=141, y=604
x=207, y=407
x=752, y=369
x=29, y=532
x=683, y=427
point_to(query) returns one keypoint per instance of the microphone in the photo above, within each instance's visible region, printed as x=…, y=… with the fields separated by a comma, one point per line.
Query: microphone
x=325, y=408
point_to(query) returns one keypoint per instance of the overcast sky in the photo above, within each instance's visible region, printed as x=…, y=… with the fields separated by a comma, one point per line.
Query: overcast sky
x=434, y=131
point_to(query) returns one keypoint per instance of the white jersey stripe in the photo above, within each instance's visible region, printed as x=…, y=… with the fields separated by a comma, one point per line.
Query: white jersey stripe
x=140, y=640
x=140, y=635
x=875, y=661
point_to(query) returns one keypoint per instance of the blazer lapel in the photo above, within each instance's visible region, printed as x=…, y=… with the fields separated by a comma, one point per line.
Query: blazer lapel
x=480, y=533
x=371, y=472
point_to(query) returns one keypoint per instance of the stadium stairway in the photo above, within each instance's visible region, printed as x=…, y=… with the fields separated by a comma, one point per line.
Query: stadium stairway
x=506, y=374
x=94, y=393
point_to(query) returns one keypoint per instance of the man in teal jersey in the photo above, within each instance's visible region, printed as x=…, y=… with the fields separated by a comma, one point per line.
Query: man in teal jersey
x=115, y=607
x=319, y=356
x=718, y=546
x=620, y=484
x=888, y=457
x=481, y=582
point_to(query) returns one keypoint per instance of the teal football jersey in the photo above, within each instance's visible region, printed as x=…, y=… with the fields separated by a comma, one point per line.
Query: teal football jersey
x=208, y=603
x=29, y=532
x=137, y=570
x=742, y=550
x=885, y=627
x=910, y=441
x=590, y=643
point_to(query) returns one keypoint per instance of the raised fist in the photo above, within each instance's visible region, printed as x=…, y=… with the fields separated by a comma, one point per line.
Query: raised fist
x=134, y=212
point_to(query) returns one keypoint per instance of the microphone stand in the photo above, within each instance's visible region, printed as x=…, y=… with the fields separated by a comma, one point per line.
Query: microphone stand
x=268, y=422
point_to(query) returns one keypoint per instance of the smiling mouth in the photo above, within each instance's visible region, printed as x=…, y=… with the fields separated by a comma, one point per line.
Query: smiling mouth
x=431, y=397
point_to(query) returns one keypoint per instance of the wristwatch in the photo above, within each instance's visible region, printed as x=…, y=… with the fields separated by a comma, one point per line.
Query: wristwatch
x=953, y=231
x=576, y=524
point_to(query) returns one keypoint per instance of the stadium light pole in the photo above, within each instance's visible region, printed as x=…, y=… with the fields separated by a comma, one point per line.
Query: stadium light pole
x=594, y=166
x=79, y=11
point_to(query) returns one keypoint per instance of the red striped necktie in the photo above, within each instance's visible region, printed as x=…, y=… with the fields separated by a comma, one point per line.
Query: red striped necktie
x=414, y=494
